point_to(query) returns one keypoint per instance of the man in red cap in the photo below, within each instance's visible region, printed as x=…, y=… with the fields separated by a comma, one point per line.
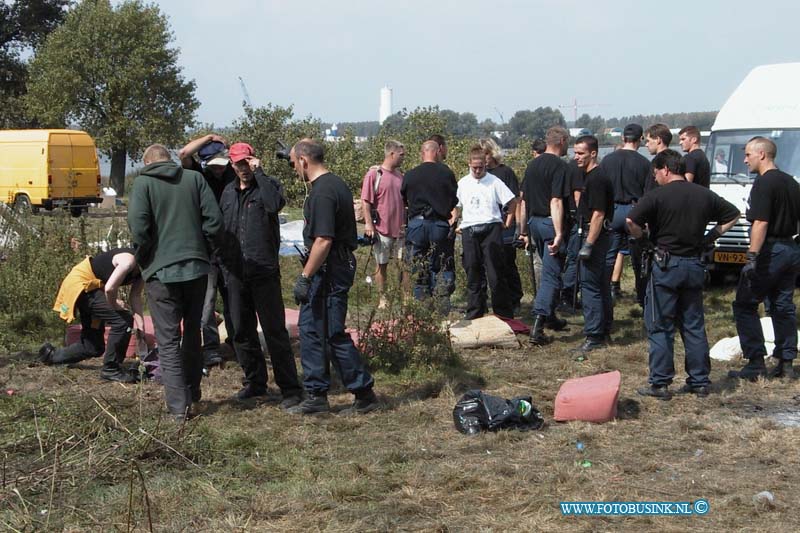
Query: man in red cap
x=249, y=251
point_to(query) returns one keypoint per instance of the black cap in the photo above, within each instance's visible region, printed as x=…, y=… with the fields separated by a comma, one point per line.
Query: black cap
x=633, y=132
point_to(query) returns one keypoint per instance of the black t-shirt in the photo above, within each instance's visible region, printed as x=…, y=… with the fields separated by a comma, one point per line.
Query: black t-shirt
x=430, y=190
x=697, y=164
x=545, y=178
x=103, y=266
x=628, y=171
x=576, y=179
x=507, y=176
x=775, y=198
x=217, y=184
x=598, y=195
x=678, y=214
x=328, y=212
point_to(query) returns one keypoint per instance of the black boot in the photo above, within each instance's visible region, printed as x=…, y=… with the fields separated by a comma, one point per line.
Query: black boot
x=616, y=290
x=565, y=303
x=555, y=323
x=754, y=369
x=783, y=369
x=538, y=338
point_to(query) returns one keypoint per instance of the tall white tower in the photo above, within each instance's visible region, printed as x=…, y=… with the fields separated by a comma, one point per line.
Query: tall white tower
x=385, y=108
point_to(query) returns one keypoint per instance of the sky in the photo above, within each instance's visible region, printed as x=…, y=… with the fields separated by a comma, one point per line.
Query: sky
x=329, y=59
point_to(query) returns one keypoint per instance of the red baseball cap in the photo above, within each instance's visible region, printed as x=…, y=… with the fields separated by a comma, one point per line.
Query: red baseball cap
x=239, y=151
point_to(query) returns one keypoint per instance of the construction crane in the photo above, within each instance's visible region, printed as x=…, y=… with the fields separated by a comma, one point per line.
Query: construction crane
x=246, y=101
x=574, y=106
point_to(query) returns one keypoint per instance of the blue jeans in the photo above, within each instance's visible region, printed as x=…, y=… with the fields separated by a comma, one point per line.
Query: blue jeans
x=777, y=267
x=596, y=289
x=328, y=296
x=675, y=296
x=430, y=254
x=542, y=231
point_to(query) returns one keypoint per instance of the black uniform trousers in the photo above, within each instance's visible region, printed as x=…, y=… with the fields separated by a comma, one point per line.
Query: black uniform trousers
x=483, y=252
x=777, y=266
x=675, y=297
x=95, y=312
x=262, y=298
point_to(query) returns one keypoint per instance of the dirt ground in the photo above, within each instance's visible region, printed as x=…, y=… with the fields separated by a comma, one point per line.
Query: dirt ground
x=81, y=454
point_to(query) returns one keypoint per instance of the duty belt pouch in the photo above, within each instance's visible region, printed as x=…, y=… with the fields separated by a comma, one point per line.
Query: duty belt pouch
x=661, y=258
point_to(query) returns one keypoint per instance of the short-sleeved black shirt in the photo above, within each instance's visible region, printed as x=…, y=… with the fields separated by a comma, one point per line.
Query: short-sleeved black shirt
x=430, y=189
x=545, y=178
x=598, y=195
x=697, y=164
x=217, y=184
x=628, y=171
x=678, y=214
x=328, y=212
x=575, y=179
x=775, y=198
x=103, y=265
x=507, y=176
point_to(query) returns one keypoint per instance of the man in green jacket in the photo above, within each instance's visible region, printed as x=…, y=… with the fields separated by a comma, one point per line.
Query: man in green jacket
x=174, y=219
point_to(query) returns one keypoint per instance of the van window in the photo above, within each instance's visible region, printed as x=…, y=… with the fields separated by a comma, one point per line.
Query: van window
x=726, y=153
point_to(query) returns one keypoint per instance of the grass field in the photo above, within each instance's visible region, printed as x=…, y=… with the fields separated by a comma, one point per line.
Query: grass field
x=79, y=454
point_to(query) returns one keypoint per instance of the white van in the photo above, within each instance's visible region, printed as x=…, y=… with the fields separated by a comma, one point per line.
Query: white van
x=766, y=103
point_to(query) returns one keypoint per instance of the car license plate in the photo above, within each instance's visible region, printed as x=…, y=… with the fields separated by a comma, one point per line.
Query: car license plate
x=729, y=257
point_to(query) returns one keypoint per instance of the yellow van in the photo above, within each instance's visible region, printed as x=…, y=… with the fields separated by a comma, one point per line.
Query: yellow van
x=48, y=168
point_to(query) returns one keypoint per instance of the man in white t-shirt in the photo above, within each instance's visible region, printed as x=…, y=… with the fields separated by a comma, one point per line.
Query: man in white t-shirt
x=482, y=198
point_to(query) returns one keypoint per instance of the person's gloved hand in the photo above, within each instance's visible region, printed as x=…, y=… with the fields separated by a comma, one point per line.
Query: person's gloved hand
x=711, y=237
x=302, y=288
x=749, y=269
x=585, y=252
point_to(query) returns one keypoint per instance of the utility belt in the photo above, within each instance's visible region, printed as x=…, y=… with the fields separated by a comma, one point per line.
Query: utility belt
x=606, y=226
x=339, y=253
x=787, y=240
x=429, y=214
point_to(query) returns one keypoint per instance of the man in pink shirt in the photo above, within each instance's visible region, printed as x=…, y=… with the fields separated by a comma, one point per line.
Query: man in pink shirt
x=384, y=212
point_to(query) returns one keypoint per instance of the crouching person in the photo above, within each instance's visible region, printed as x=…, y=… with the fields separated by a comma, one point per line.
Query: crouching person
x=92, y=288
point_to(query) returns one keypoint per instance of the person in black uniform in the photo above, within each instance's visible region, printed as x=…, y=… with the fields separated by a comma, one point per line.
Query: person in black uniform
x=677, y=213
x=544, y=190
x=215, y=167
x=698, y=169
x=495, y=166
x=569, y=279
x=628, y=171
x=773, y=263
x=595, y=211
x=429, y=192
x=92, y=287
x=249, y=253
x=322, y=287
